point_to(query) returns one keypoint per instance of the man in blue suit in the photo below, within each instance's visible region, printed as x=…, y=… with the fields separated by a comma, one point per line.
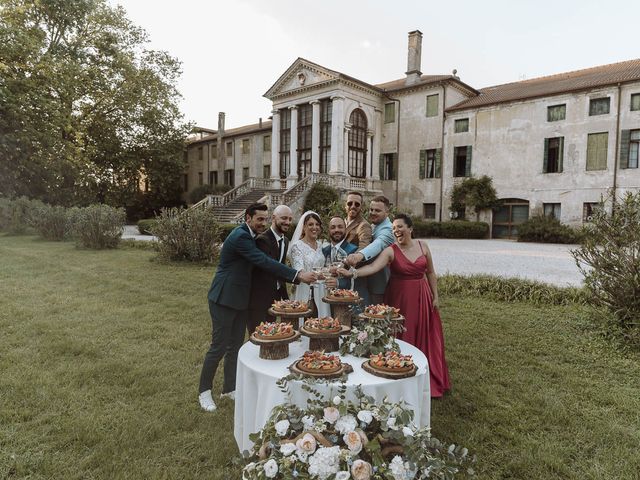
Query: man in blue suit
x=337, y=233
x=229, y=299
x=382, y=238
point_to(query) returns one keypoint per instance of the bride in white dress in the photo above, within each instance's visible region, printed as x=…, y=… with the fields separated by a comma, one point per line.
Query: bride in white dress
x=306, y=254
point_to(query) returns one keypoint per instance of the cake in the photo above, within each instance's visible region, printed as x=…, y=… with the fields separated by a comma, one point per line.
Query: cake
x=319, y=362
x=381, y=311
x=392, y=362
x=274, y=331
x=322, y=325
x=342, y=294
x=289, y=306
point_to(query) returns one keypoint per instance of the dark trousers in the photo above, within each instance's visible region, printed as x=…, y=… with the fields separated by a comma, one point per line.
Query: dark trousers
x=227, y=336
x=258, y=312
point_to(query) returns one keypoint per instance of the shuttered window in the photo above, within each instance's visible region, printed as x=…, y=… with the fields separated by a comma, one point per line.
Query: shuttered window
x=635, y=102
x=556, y=112
x=553, y=155
x=597, y=151
x=389, y=112
x=432, y=105
x=599, y=106
x=462, y=161
x=461, y=125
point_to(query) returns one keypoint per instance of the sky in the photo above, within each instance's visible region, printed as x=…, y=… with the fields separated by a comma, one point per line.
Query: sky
x=233, y=51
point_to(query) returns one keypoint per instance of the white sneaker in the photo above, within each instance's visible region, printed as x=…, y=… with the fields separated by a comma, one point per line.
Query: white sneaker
x=229, y=395
x=206, y=401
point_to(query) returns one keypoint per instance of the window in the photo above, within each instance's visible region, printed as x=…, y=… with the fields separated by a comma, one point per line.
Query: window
x=266, y=143
x=556, y=112
x=199, y=153
x=229, y=146
x=325, y=135
x=357, y=160
x=589, y=208
x=246, y=148
x=266, y=171
x=285, y=142
x=429, y=166
x=200, y=179
x=429, y=211
x=387, y=166
x=597, y=151
x=305, y=119
x=185, y=183
x=214, y=150
x=553, y=153
x=634, y=148
x=461, y=125
x=229, y=178
x=551, y=210
x=245, y=174
x=389, y=112
x=462, y=161
x=213, y=178
x=599, y=106
x=432, y=105
x=635, y=102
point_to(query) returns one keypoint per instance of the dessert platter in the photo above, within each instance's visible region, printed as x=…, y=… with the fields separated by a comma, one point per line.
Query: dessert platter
x=290, y=310
x=273, y=339
x=324, y=333
x=341, y=301
x=318, y=364
x=390, y=364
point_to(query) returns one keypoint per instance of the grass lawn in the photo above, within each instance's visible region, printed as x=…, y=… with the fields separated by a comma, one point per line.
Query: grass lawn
x=100, y=355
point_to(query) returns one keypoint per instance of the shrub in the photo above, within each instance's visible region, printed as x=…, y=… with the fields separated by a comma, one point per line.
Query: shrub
x=146, y=225
x=320, y=198
x=187, y=235
x=202, y=191
x=609, y=259
x=547, y=230
x=16, y=215
x=474, y=193
x=225, y=230
x=97, y=226
x=454, y=229
x=51, y=222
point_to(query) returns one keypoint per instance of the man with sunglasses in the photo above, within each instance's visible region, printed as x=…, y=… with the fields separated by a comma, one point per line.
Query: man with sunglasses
x=358, y=229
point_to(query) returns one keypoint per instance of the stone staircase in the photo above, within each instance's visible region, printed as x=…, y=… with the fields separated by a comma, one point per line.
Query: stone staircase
x=229, y=213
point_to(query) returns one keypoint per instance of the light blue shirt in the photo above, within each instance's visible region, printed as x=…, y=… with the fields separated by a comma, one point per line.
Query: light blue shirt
x=382, y=237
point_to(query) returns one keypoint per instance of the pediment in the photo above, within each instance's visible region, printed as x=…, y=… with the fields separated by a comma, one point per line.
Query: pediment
x=301, y=75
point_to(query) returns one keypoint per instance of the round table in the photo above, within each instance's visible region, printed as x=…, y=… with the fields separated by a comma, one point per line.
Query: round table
x=257, y=392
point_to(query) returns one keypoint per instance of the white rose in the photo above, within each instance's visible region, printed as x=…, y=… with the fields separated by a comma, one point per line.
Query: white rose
x=343, y=475
x=282, y=427
x=352, y=346
x=365, y=416
x=353, y=441
x=397, y=468
x=271, y=468
x=361, y=470
x=331, y=414
x=288, y=448
x=337, y=400
x=306, y=444
x=391, y=423
x=346, y=424
x=308, y=421
x=407, y=432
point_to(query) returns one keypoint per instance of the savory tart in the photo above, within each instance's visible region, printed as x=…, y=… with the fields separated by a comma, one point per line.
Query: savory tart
x=289, y=306
x=381, y=311
x=319, y=362
x=274, y=331
x=322, y=325
x=392, y=362
x=342, y=294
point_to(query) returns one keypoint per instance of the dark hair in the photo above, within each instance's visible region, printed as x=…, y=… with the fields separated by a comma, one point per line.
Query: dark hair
x=254, y=207
x=316, y=217
x=337, y=216
x=355, y=193
x=382, y=199
x=405, y=218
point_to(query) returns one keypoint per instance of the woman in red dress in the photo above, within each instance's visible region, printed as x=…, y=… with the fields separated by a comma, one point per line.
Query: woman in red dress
x=413, y=289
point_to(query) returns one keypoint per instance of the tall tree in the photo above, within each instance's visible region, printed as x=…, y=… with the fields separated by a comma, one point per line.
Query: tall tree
x=85, y=108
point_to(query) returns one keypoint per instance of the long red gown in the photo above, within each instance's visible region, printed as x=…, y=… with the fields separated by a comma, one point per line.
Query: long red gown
x=409, y=291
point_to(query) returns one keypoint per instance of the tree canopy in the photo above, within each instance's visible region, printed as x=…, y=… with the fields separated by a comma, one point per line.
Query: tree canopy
x=86, y=111
x=476, y=193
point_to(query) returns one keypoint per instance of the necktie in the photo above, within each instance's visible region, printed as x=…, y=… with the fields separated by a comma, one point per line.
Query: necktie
x=280, y=243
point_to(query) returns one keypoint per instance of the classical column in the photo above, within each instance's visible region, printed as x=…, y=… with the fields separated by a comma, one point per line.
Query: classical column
x=315, y=137
x=375, y=149
x=337, y=134
x=369, y=154
x=293, y=151
x=275, y=145
x=344, y=165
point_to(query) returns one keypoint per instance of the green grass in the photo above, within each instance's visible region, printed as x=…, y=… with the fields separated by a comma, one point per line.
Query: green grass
x=100, y=354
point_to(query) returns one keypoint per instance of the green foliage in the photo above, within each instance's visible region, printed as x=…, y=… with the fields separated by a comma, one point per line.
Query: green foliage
x=187, y=235
x=455, y=229
x=474, y=193
x=547, y=230
x=51, y=222
x=86, y=110
x=320, y=199
x=202, y=191
x=226, y=229
x=146, y=225
x=370, y=338
x=609, y=259
x=16, y=215
x=97, y=226
x=510, y=290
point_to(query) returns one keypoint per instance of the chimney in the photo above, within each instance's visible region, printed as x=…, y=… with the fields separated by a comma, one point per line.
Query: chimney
x=260, y=122
x=221, y=124
x=414, y=57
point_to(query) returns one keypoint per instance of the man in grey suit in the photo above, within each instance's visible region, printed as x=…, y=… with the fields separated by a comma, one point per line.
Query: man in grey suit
x=382, y=238
x=229, y=302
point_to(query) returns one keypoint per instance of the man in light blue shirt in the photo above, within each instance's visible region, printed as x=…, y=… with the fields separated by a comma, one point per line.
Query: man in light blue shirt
x=382, y=238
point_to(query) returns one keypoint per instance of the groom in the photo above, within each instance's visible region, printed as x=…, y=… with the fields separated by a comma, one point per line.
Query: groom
x=228, y=299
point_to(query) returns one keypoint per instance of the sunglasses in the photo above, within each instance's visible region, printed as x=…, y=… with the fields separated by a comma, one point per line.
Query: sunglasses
x=353, y=204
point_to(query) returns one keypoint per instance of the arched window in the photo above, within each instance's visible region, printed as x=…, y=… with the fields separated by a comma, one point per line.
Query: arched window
x=357, y=166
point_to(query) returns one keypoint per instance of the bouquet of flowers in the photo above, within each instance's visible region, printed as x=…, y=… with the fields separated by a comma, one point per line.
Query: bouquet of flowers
x=367, y=339
x=341, y=440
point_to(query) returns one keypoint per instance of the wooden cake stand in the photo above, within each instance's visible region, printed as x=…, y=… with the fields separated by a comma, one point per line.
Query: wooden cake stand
x=341, y=308
x=291, y=318
x=274, y=349
x=396, y=325
x=327, y=341
x=387, y=374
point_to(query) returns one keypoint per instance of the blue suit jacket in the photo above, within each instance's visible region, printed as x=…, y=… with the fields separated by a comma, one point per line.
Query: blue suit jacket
x=232, y=281
x=382, y=238
x=348, y=248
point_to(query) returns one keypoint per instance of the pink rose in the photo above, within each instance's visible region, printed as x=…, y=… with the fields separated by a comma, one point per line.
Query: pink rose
x=331, y=414
x=307, y=443
x=362, y=336
x=361, y=470
x=353, y=441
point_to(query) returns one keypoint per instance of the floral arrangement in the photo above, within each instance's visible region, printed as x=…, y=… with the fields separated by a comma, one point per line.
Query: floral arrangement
x=343, y=440
x=367, y=339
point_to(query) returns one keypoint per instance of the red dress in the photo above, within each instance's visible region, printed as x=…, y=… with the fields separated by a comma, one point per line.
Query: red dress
x=409, y=291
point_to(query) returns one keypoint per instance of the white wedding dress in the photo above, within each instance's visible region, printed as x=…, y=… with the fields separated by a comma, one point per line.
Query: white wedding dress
x=303, y=257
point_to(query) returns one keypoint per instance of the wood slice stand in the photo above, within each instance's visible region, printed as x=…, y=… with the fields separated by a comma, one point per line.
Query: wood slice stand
x=329, y=341
x=291, y=318
x=345, y=368
x=274, y=349
x=393, y=376
x=396, y=325
x=341, y=309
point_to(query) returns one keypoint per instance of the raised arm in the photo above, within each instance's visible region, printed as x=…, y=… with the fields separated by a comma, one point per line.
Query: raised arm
x=378, y=264
x=383, y=240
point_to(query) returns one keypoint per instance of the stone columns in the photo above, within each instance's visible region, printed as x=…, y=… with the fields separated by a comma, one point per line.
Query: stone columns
x=292, y=179
x=315, y=137
x=275, y=145
x=337, y=134
x=369, y=154
x=375, y=148
x=344, y=166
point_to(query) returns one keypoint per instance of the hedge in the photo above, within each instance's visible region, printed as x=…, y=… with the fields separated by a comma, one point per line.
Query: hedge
x=452, y=229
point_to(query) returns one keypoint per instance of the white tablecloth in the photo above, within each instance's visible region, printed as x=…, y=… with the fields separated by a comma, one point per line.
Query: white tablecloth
x=257, y=393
